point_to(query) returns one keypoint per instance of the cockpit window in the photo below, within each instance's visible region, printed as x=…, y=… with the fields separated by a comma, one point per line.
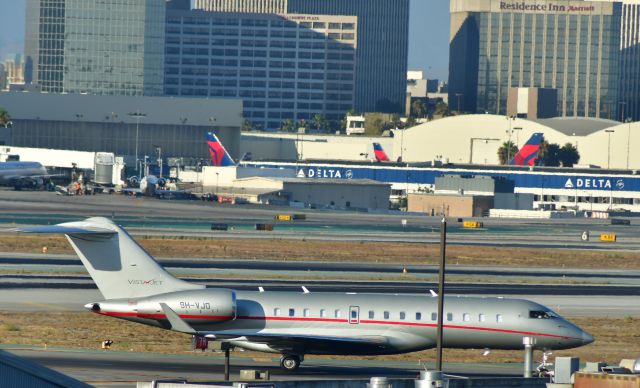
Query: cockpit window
x=539, y=314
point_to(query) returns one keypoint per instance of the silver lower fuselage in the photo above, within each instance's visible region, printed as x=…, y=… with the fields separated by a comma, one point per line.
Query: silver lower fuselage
x=406, y=322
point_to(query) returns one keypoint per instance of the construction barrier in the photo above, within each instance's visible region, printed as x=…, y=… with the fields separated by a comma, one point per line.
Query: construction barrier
x=472, y=224
x=608, y=237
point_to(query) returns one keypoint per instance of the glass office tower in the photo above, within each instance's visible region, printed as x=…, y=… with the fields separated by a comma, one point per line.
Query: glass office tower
x=570, y=46
x=383, y=41
x=96, y=47
x=284, y=67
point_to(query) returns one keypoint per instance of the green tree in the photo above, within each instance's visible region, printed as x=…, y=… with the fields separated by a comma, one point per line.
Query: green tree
x=549, y=154
x=418, y=108
x=411, y=122
x=288, y=125
x=506, y=152
x=568, y=155
x=5, y=119
x=320, y=122
x=374, y=125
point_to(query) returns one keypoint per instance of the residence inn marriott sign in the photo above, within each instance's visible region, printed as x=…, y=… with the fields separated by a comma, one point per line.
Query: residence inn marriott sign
x=574, y=7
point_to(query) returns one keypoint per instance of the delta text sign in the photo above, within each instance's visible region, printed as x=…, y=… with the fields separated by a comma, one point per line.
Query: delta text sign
x=426, y=176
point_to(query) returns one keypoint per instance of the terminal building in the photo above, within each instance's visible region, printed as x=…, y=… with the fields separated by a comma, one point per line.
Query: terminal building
x=570, y=46
x=129, y=126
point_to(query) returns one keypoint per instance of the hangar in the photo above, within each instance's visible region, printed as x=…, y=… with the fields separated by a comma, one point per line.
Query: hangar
x=464, y=139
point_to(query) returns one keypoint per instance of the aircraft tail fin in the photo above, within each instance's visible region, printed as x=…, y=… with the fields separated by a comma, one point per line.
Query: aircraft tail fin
x=529, y=151
x=117, y=264
x=381, y=156
x=219, y=155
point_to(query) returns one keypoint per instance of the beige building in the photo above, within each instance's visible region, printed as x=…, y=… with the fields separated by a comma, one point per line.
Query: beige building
x=450, y=205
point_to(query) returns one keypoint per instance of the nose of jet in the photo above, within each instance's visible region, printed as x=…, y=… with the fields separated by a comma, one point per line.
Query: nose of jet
x=586, y=338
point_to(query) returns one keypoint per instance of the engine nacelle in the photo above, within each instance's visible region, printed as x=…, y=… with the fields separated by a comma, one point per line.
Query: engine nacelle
x=193, y=306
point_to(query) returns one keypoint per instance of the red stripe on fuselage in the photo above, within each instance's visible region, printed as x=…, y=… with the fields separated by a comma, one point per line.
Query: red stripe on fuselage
x=337, y=320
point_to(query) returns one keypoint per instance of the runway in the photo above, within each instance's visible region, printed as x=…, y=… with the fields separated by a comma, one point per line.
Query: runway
x=153, y=217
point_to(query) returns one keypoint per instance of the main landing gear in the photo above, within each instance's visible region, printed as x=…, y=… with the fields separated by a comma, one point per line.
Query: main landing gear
x=290, y=362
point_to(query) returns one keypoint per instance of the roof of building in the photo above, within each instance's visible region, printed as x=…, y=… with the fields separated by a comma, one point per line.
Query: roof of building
x=19, y=371
x=318, y=181
x=123, y=109
x=578, y=126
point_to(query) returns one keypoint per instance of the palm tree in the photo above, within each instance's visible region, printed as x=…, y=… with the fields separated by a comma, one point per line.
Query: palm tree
x=5, y=119
x=288, y=126
x=319, y=121
x=506, y=152
x=549, y=154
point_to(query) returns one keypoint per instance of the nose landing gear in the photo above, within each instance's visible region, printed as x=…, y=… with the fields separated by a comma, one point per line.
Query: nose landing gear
x=290, y=362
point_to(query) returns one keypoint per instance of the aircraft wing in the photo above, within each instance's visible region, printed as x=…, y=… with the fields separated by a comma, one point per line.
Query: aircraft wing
x=302, y=343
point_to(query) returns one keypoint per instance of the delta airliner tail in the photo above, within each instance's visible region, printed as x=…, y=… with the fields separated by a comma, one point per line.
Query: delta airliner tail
x=381, y=156
x=529, y=151
x=219, y=155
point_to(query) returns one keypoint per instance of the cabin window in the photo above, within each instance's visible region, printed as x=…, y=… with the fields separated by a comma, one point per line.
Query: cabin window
x=466, y=317
x=323, y=313
x=449, y=317
x=354, y=314
x=498, y=317
x=481, y=317
x=276, y=311
x=402, y=315
x=418, y=316
x=386, y=315
x=372, y=314
x=434, y=316
x=541, y=314
x=292, y=312
x=338, y=314
x=306, y=312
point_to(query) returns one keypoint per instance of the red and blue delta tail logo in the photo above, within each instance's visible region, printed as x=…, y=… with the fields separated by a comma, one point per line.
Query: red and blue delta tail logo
x=529, y=152
x=381, y=156
x=219, y=156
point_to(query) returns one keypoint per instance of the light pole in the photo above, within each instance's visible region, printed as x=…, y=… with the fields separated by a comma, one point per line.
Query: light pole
x=458, y=95
x=517, y=136
x=159, y=160
x=509, y=131
x=217, y=180
x=609, y=132
x=622, y=104
x=138, y=115
x=628, y=120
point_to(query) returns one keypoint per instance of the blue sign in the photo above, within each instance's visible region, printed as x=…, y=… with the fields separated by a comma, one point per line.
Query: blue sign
x=427, y=176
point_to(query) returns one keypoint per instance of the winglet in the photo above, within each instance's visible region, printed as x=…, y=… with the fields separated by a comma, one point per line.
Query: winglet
x=305, y=290
x=433, y=294
x=177, y=323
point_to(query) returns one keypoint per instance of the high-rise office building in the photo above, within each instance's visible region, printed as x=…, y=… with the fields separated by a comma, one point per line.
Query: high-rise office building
x=383, y=38
x=14, y=69
x=284, y=67
x=569, y=46
x=629, y=102
x=96, y=47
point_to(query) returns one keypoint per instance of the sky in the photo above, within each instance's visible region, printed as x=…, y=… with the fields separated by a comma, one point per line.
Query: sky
x=428, y=34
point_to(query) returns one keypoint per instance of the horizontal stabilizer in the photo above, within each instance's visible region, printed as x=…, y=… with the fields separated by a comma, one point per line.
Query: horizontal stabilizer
x=68, y=228
x=177, y=323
